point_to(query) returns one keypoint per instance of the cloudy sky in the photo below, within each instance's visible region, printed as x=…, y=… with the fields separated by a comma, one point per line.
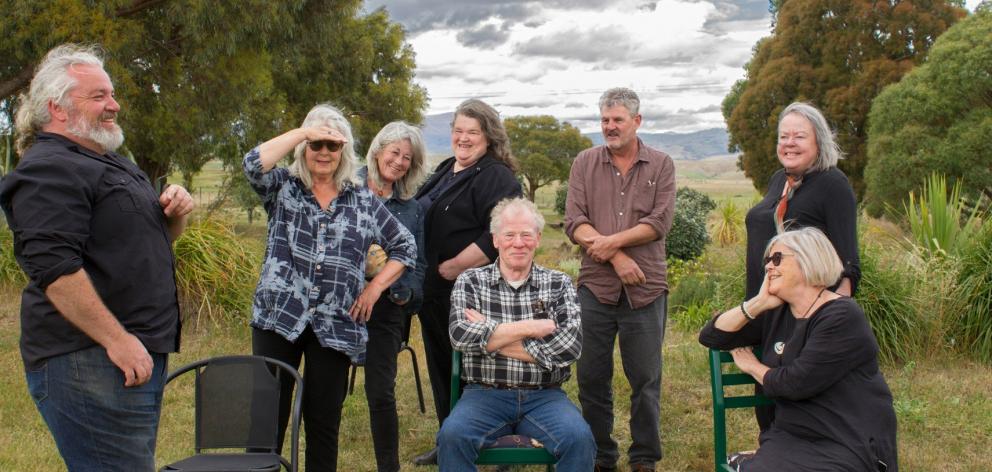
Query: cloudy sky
x=557, y=56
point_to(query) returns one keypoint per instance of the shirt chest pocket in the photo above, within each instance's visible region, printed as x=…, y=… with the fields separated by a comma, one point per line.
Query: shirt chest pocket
x=643, y=197
x=122, y=191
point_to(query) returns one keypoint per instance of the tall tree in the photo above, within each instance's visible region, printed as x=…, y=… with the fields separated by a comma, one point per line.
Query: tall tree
x=544, y=147
x=838, y=55
x=937, y=119
x=195, y=77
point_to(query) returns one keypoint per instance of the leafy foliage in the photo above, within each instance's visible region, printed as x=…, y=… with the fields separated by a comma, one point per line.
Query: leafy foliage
x=10, y=273
x=544, y=147
x=937, y=119
x=193, y=76
x=688, y=237
x=837, y=54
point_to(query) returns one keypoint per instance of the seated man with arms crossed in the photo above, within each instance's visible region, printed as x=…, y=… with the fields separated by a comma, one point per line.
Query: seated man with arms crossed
x=518, y=325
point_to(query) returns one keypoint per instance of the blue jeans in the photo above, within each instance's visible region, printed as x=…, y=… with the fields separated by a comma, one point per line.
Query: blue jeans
x=641, y=333
x=484, y=414
x=98, y=423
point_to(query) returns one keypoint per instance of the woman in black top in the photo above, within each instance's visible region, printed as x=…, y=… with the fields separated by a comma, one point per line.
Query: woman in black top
x=819, y=195
x=458, y=199
x=819, y=364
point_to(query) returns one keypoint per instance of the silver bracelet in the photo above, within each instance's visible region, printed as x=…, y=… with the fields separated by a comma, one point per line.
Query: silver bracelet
x=744, y=310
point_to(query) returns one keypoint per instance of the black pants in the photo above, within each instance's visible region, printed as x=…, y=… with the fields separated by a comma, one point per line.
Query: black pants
x=325, y=380
x=437, y=346
x=386, y=328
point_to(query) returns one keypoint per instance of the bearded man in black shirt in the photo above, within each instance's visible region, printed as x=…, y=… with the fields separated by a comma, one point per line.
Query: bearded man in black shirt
x=99, y=314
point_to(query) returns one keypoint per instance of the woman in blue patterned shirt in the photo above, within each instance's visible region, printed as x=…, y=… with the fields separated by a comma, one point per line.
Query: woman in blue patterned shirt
x=312, y=298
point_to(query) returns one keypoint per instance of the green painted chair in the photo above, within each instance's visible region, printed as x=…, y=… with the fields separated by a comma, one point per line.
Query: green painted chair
x=721, y=402
x=498, y=455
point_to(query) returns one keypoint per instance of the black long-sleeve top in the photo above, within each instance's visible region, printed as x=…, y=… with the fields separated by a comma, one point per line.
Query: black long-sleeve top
x=826, y=201
x=459, y=215
x=825, y=381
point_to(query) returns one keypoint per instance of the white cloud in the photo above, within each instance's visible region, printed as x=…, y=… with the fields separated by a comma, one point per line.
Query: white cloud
x=551, y=57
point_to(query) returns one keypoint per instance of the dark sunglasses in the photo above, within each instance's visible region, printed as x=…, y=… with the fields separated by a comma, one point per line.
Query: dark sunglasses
x=332, y=146
x=776, y=258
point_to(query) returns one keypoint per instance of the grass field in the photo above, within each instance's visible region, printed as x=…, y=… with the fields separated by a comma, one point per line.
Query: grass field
x=943, y=403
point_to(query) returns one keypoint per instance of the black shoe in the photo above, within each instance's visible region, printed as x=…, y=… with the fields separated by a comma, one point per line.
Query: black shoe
x=427, y=458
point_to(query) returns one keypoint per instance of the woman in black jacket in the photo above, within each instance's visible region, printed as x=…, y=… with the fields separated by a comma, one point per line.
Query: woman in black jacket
x=458, y=199
x=833, y=409
x=809, y=190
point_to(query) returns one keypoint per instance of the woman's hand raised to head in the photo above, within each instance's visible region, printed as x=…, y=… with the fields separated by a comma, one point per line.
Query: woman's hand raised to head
x=764, y=300
x=323, y=133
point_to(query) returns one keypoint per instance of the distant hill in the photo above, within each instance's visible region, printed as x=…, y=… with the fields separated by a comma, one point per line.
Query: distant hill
x=685, y=146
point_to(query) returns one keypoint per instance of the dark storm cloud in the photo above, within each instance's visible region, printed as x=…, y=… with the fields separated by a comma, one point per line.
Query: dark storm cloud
x=484, y=37
x=596, y=45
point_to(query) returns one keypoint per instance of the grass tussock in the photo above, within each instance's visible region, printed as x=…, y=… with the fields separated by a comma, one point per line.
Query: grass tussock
x=10, y=273
x=216, y=271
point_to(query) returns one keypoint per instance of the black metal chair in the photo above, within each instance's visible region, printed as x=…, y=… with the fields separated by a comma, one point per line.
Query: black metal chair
x=237, y=408
x=404, y=346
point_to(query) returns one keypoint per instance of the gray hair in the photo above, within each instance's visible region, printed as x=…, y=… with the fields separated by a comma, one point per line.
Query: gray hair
x=826, y=142
x=515, y=205
x=816, y=256
x=51, y=83
x=326, y=114
x=620, y=96
x=393, y=132
x=492, y=129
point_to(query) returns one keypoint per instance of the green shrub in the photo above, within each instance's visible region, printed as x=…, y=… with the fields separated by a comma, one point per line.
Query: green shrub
x=560, y=196
x=730, y=225
x=688, y=237
x=885, y=292
x=216, y=271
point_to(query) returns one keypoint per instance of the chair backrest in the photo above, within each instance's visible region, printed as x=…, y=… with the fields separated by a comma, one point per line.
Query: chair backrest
x=497, y=455
x=721, y=402
x=237, y=403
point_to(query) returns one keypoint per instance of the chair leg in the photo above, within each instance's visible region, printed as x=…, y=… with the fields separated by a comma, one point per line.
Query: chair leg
x=416, y=375
x=351, y=383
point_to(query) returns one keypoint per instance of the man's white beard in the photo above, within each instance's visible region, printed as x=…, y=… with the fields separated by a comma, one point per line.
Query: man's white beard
x=108, y=139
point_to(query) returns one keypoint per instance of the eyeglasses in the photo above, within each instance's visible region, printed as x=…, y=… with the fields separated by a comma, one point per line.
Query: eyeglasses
x=510, y=237
x=332, y=146
x=776, y=258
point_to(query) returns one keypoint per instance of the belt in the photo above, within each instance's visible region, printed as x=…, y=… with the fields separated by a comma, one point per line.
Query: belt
x=503, y=386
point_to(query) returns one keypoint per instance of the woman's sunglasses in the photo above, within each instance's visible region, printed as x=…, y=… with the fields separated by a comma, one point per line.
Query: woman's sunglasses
x=332, y=146
x=776, y=258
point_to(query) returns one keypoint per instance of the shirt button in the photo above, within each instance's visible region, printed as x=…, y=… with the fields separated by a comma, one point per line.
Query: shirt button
x=621, y=194
x=618, y=174
x=621, y=213
x=318, y=266
x=312, y=310
x=320, y=248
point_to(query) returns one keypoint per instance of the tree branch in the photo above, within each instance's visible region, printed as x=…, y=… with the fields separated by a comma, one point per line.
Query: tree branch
x=9, y=87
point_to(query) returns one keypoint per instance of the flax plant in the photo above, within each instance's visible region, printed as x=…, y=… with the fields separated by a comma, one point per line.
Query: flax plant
x=941, y=223
x=730, y=223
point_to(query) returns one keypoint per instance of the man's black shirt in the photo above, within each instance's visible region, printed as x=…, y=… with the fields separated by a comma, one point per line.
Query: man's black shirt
x=70, y=209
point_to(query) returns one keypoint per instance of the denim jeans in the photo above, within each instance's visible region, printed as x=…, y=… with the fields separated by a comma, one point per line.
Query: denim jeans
x=385, y=335
x=98, y=423
x=641, y=333
x=484, y=414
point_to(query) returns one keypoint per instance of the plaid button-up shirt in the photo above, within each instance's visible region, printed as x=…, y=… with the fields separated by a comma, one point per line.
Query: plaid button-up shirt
x=546, y=293
x=314, y=264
